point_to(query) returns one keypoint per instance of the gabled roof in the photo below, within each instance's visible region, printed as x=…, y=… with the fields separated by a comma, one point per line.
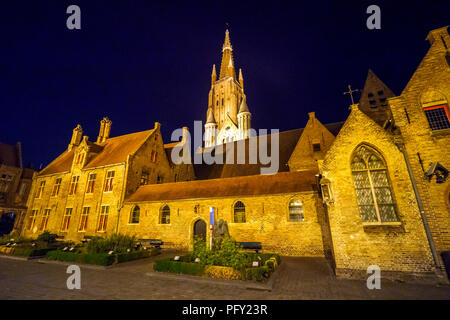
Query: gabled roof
x=117, y=149
x=285, y=182
x=287, y=142
x=61, y=164
x=112, y=151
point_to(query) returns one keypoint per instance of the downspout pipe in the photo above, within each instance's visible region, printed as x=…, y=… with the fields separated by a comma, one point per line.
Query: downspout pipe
x=421, y=209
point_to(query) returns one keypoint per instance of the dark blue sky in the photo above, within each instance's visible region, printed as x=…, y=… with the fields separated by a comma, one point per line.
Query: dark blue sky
x=138, y=62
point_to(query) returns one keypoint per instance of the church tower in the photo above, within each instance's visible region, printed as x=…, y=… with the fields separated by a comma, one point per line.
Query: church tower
x=228, y=116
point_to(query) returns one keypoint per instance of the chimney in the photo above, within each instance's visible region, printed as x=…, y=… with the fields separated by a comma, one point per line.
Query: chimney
x=76, y=137
x=440, y=35
x=105, y=129
x=19, y=153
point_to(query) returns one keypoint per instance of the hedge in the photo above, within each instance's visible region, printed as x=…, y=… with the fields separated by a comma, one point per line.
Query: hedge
x=102, y=259
x=168, y=265
x=25, y=252
x=123, y=257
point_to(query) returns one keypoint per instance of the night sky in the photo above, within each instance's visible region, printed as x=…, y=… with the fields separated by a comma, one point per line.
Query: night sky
x=138, y=62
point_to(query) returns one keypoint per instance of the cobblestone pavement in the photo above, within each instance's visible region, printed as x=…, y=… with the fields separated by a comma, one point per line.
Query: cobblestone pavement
x=302, y=278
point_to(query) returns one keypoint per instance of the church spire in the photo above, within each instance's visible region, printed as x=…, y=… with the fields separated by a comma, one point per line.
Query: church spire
x=213, y=75
x=241, y=78
x=227, y=66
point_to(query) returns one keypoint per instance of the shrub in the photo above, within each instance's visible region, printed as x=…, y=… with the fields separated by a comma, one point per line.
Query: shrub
x=222, y=272
x=13, y=235
x=168, y=265
x=102, y=259
x=48, y=237
x=129, y=256
x=258, y=273
x=118, y=243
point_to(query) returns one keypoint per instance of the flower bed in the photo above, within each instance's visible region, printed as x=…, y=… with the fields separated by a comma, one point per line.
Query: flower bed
x=102, y=259
x=225, y=262
x=24, y=252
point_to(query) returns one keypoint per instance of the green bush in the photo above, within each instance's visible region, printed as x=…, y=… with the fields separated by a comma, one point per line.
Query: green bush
x=129, y=256
x=118, y=243
x=258, y=273
x=30, y=252
x=168, y=265
x=7, y=238
x=228, y=254
x=102, y=259
x=48, y=237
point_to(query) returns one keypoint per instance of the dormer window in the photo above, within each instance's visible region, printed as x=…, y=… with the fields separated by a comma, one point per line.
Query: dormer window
x=316, y=147
x=80, y=158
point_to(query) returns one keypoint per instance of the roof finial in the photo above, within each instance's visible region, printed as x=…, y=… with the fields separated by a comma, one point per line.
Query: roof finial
x=350, y=92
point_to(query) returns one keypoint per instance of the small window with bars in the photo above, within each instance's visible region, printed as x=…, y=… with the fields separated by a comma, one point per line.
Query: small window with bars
x=295, y=210
x=239, y=212
x=165, y=215
x=438, y=117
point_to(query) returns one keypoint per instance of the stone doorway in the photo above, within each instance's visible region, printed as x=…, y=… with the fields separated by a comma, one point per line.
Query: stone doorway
x=200, y=229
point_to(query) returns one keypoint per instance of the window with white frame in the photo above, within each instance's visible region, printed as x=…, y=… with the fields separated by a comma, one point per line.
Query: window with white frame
x=109, y=181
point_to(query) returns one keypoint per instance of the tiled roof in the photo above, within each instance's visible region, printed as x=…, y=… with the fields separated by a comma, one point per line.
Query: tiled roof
x=61, y=164
x=285, y=182
x=117, y=149
x=113, y=150
x=287, y=143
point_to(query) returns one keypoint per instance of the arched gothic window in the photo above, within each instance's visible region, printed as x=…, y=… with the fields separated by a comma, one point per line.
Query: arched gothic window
x=373, y=190
x=239, y=212
x=295, y=210
x=134, y=218
x=165, y=215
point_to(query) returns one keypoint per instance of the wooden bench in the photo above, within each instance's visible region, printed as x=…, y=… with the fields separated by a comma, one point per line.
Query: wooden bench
x=251, y=245
x=157, y=243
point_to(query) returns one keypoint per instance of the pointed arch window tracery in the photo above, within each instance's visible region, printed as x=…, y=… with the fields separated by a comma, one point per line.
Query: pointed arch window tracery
x=372, y=185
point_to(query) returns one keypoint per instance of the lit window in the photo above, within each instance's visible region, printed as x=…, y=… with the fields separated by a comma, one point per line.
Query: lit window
x=165, y=215
x=103, y=219
x=373, y=190
x=66, y=219
x=295, y=210
x=109, y=181
x=438, y=117
x=44, y=221
x=40, y=190
x=56, y=187
x=84, y=219
x=32, y=219
x=74, y=185
x=144, y=178
x=134, y=217
x=239, y=212
x=91, y=183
